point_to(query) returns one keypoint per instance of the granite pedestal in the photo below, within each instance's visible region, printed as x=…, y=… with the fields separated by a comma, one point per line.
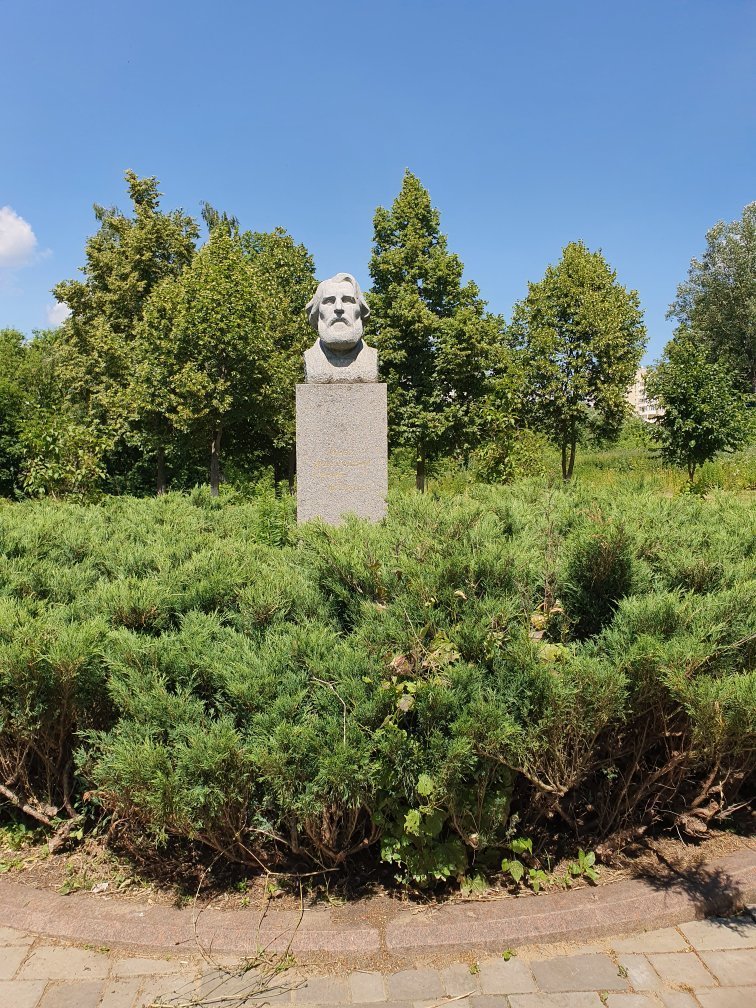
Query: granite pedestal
x=342, y=454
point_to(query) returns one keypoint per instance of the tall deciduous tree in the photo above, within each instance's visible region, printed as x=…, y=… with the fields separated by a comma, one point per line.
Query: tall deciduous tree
x=433, y=333
x=221, y=353
x=703, y=413
x=11, y=402
x=126, y=260
x=718, y=299
x=581, y=336
x=284, y=280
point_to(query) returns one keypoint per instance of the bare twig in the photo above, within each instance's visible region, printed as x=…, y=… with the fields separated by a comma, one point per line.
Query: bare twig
x=20, y=804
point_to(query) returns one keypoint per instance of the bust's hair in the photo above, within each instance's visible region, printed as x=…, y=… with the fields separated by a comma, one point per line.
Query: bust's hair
x=313, y=307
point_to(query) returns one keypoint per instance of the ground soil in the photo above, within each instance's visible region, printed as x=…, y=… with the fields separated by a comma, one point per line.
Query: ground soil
x=91, y=866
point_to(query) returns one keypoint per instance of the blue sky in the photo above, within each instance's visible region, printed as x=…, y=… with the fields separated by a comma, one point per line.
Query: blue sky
x=629, y=125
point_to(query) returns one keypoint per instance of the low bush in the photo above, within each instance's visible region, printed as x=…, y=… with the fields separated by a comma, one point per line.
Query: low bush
x=505, y=661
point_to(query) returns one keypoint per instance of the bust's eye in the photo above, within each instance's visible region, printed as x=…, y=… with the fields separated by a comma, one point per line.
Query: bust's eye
x=348, y=298
x=329, y=300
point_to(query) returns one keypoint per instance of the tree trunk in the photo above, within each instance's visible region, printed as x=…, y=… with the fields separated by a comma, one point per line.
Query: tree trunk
x=691, y=470
x=215, y=462
x=161, y=482
x=291, y=469
x=569, y=444
x=571, y=460
x=420, y=469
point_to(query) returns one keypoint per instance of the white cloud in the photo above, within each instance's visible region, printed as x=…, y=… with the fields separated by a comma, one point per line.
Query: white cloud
x=17, y=240
x=57, y=314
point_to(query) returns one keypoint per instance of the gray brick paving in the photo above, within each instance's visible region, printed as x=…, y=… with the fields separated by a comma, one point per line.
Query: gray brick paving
x=640, y=973
x=72, y=995
x=578, y=973
x=512, y=976
x=718, y=933
x=677, y=999
x=21, y=993
x=727, y=997
x=573, y=999
x=625, y=1000
x=143, y=966
x=682, y=968
x=704, y=964
x=661, y=940
x=120, y=993
x=733, y=968
x=367, y=987
x=11, y=957
x=459, y=979
x=414, y=985
x=322, y=990
x=57, y=963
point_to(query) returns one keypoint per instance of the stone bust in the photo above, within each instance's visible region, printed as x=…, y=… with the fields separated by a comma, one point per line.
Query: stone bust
x=336, y=312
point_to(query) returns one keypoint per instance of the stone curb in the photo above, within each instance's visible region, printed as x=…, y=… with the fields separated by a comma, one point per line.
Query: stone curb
x=622, y=907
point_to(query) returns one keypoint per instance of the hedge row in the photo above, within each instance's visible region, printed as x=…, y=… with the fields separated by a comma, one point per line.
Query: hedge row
x=533, y=660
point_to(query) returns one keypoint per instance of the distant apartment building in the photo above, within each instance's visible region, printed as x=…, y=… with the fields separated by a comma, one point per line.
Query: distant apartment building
x=643, y=407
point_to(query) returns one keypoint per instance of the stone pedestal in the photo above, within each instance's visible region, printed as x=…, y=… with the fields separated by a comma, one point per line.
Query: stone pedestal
x=342, y=454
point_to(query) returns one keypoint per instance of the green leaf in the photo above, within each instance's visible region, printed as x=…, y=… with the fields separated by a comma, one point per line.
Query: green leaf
x=425, y=785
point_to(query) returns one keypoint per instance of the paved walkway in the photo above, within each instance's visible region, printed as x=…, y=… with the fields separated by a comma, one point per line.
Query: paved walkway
x=702, y=964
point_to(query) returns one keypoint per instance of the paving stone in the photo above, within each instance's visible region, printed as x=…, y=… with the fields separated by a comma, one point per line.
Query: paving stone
x=322, y=991
x=682, y=968
x=11, y=958
x=121, y=994
x=367, y=986
x=72, y=995
x=143, y=966
x=727, y=997
x=721, y=933
x=677, y=999
x=21, y=993
x=572, y=999
x=630, y=1001
x=578, y=973
x=486, y=1001
x=9, y=936
x=640, y=972
x=214, y=985
x=500, y=976
x=169, y=987
x=661, y=940
x=735, y=968
x=413, y=985
x=55, y=962
x=458, y=979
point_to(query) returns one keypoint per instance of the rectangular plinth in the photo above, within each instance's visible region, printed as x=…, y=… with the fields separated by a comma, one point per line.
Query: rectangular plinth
x=342, y=454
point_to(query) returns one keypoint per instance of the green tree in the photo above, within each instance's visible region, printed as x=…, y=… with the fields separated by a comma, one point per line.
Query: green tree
x=12, y=352
x=221, y=355
x=126, y=260
x=718, y=299
x=581, y=337
x=703, y=413
x=434, y=336
x=61, y=451
x=284, y=280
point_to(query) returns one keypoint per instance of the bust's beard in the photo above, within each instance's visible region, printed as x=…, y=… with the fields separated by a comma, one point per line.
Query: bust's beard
x=340, y=338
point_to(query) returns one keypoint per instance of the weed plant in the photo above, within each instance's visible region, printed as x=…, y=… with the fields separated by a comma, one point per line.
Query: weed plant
x=529, y=661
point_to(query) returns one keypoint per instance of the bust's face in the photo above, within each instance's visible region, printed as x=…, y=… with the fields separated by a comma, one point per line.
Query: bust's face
x=339, y=318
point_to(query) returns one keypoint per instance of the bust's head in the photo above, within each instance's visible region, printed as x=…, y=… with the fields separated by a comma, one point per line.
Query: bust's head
x=337, y=311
